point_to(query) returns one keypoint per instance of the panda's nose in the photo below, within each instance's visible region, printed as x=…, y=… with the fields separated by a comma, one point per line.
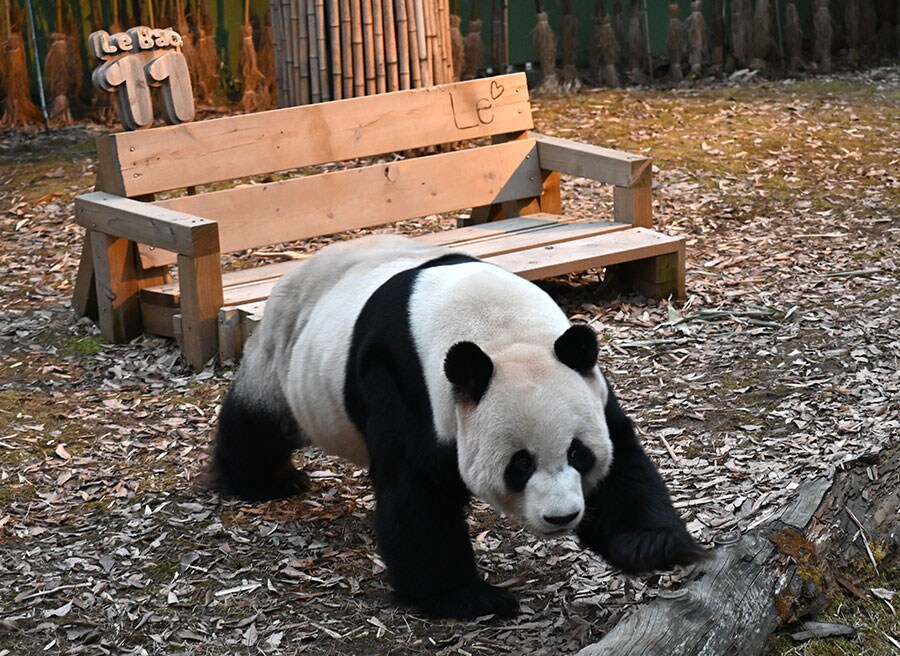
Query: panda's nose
x=560, y=520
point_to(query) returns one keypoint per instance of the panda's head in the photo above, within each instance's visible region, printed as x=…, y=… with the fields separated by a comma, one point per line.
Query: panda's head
x=532, y=438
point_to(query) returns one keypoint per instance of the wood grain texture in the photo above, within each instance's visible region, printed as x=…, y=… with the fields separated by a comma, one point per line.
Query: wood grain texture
x=774, y=573
x=310, y=206
x=200, y=279
x=592, y=162
x=147, y=223
x=178, y=156
x=634, y=204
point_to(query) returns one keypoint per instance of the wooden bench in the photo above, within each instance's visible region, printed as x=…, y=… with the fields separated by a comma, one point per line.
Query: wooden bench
x=510, y=184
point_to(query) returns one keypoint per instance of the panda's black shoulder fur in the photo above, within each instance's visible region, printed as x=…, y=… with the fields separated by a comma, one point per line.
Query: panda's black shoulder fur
x=383, y=336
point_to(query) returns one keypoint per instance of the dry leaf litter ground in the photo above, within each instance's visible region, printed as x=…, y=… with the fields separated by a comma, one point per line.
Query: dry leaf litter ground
x=781, y=365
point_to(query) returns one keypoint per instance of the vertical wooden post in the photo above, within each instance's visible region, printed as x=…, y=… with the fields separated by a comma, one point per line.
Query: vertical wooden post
x=115, y=273
x=84, y=297
x=200, y=282
x=634, y=204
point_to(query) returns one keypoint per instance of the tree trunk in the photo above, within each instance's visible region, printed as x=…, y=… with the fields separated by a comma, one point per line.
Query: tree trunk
x=780, y=572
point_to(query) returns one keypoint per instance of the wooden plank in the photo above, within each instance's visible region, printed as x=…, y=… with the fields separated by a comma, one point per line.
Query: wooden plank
x=147, y=223
x=158, y=319
x=310, y=206
x=117, y=287
x=593, y=162
x=178, y=156
x=201, y=298
x=84, y=296
x=492, y=229
x=529, y=239
x=589, y=253
x=230, y=339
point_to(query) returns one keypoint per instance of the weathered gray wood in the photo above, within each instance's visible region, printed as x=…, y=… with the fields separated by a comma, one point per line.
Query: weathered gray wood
x=729, y=604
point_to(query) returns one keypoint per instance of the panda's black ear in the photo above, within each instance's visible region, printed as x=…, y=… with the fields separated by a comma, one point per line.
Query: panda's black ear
x=577, y=348
x=469, y=370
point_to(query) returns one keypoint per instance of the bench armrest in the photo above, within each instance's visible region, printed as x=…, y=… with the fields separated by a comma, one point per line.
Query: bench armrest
x=146, y=223
x=593, y=162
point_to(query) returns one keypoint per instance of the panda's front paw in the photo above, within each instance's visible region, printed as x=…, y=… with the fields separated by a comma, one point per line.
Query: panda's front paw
x=646, y=550
x=475, y=599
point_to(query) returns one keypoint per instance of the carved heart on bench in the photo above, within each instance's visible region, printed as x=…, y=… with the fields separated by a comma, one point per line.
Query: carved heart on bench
x=497, y=89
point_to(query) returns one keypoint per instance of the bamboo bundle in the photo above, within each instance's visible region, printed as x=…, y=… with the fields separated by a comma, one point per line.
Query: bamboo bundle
x=359, y=71
x=334, y=41
x=636, y=43
x=456, y=46
x=414, y=62
x=56, y=74
x=823, y=34
x=444, y=40
x=697, y=39
x=422, y=41
x=188, y=49
x=403, y=49
x=321, y=47
x=390, y=47
x=675, y=44
x=378, y=34
x=436, y=63
x=793, y=36
x=254, y=93
x=346, y=49
x=368, y=46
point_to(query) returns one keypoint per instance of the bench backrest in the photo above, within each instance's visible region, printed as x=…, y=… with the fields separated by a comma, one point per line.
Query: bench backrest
x=146, y=162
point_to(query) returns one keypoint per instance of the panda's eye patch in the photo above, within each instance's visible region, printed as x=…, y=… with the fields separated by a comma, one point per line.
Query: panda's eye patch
x=581, y=458
x=520, y=468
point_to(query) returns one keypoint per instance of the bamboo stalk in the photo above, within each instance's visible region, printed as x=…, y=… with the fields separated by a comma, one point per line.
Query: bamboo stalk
x=322, y=47
x=403, y=55
x=315, y=91
x=359, y=80
x=414, y=66
x=446, y=40
x=422, y=41
x=346, y=49
x=278, y=47
x=302, y=15
x=378, y=31
x=369, y=45
x=287, y=32
x=334, y=24
x=390, y=47
x=435, y=63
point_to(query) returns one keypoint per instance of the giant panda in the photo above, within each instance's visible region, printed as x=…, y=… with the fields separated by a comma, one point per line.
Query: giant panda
x=448, y=377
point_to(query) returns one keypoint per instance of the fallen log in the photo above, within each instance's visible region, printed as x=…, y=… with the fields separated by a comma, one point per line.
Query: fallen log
x=781, y=572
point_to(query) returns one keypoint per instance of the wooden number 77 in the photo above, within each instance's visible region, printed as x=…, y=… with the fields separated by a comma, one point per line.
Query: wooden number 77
x=170, y=71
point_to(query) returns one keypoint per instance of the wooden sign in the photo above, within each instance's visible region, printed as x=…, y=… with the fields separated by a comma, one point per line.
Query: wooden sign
x=134, y=61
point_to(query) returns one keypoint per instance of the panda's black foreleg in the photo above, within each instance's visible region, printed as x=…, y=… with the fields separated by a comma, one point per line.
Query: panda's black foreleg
x=420, y=512
x=424, y=540
x=629, y=518
x=251, y=454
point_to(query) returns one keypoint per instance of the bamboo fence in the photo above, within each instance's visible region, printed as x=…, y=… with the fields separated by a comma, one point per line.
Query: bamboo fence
x=332, y=49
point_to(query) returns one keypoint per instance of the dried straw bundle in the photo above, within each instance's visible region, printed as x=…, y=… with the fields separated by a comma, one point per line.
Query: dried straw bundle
x=868, y=25
x=717, y=34
x=56, y=70
x=473, y=50
x=19, y=110
x=740, y=31
x=697, y=39
x=266, y=60
x=208, y=64
x=851, y=27
x=188, y=49
x=609, y=54
x=569, y=77
x=255, y=95
x=545, y=44
x=636, y=42
x=793, y=37
x=823, y=33
x=675, y=43
x=762, y=36
x=457, y=46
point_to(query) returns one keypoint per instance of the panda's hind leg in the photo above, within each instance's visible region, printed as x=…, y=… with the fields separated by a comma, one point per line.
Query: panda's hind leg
x=251, y=454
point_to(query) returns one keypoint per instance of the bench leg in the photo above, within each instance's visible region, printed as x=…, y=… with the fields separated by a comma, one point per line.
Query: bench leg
x=655, y=277
x=634, y=204
x=84, y=297
x=117, y=285
x=200, y=281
